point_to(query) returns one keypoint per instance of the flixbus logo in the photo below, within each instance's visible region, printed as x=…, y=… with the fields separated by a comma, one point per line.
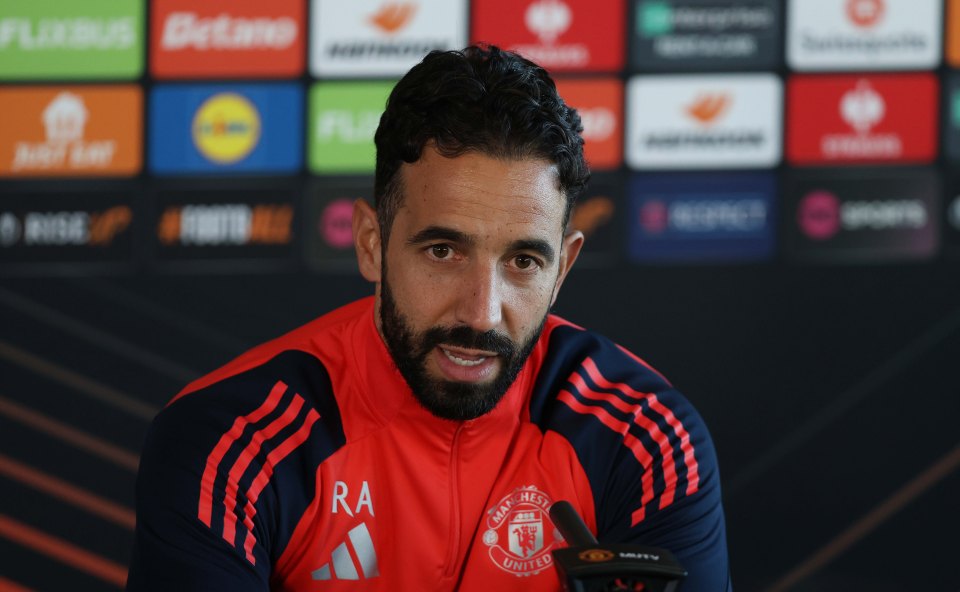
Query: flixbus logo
x=93, y=39
x=227, y=38
x=73, y=131
x=343, y=119
x=382, y=37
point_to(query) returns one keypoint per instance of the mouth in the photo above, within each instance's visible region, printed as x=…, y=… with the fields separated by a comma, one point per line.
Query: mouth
x=466, y=365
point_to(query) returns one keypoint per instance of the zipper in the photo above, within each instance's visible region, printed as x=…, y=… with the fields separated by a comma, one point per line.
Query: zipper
x=453, y=544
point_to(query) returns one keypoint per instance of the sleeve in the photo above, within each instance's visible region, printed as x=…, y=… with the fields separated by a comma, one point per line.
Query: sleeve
x=677, y=483
x=181, y=543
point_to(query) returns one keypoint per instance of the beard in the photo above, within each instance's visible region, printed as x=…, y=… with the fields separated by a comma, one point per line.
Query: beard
x=448, y=399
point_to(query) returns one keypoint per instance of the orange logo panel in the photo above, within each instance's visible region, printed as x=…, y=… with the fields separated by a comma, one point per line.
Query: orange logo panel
x=71, y=131
x=600, y=104
x=953, y=33
x=227, y=38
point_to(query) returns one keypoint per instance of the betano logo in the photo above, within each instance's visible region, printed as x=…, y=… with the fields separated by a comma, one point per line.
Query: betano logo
x=707, y=108
x=865, y=13
x=226, y=128
x=393, y=16
x=186, y=30
x=232, y=224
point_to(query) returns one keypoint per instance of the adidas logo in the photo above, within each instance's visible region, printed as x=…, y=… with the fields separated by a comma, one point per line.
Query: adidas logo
x=342, y=565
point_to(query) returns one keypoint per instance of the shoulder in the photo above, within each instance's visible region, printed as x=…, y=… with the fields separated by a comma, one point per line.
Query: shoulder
x=222, y=452
x=641, y=443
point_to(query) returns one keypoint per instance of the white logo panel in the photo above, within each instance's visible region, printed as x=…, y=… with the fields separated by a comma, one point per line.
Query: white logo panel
x=381, y=37
x=864, y=34
x=718, y=121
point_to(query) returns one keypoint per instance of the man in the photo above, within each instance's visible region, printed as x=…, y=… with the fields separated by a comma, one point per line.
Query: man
x=415, y=440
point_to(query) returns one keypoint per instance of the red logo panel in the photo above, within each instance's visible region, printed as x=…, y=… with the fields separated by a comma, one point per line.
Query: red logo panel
x=861, y=119
x=600, y=104
x=227, y=38
x=560, y=35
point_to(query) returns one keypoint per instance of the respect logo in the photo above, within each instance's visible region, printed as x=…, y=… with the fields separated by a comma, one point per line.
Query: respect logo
x=226, y=128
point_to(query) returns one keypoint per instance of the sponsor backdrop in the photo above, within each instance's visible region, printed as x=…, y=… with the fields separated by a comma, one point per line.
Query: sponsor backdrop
x=788, y=161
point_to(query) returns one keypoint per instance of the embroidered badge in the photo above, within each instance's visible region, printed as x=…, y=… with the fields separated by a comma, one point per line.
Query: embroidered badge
x=519, y=532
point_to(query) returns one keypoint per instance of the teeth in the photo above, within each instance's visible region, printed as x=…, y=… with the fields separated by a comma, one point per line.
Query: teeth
x=461, y=361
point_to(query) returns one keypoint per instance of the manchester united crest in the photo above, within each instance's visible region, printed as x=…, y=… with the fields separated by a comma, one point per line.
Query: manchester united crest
x=519, y=532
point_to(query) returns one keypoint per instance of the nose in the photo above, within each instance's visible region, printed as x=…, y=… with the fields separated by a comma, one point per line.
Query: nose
x=480, y=302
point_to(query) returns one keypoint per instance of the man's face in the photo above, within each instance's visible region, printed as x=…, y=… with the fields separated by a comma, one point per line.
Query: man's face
x=475, y=257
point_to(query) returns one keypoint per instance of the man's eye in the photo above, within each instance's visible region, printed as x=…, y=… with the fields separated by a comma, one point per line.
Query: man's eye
x=525, y=262
x=440, y=251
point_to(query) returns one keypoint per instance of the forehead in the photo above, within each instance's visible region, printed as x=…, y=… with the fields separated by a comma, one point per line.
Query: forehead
x=475, y=192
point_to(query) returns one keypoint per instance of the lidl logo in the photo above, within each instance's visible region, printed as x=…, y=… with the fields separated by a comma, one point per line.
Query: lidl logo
x=393, y=16
x=863, y=34
x=560, y=35
x=862, y=119
x=600, y=105
x=343, y=119
x=93, y=39
x=718, y=121
x=226, y=128
x=382, y=38
x=850, y=216
x=227, y=38
x=701, y=217
x=70, y=131
x=210, y=128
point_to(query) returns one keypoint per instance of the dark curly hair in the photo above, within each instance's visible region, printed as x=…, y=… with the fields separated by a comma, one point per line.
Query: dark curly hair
x=481, y=99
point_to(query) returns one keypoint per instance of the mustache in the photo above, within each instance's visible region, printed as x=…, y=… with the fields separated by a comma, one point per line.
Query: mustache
x=463, y=336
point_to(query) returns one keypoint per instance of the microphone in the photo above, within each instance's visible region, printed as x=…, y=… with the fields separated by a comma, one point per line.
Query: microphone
x=589, y=566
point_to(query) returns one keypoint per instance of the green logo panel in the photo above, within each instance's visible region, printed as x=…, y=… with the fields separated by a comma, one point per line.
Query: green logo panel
x=655, y=19
x=54, y=39
x=343, y=118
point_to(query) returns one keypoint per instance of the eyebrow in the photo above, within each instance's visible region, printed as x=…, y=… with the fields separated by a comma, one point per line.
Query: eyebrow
x=443, y=233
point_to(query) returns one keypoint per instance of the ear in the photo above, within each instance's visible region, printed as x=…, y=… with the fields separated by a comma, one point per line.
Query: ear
x=569, y=250
x=366, y=240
